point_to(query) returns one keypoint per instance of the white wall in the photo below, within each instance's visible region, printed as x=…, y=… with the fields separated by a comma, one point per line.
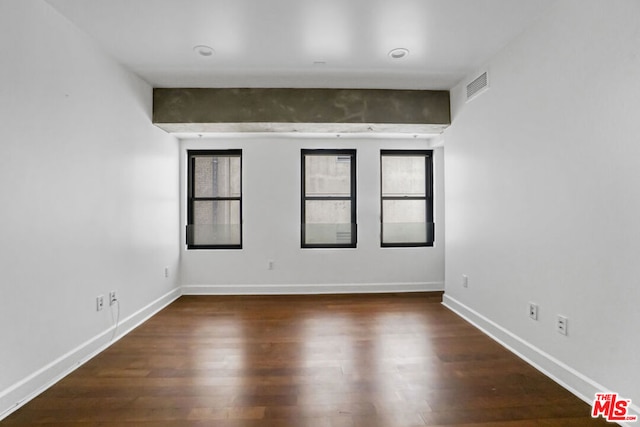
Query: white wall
x=543, y=195
x=271, y=204
x=90, y=197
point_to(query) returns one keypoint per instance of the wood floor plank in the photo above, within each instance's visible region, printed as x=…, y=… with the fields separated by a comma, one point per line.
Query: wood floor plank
x=388, y=360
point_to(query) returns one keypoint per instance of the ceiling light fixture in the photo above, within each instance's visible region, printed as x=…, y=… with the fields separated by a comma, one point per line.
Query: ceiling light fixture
x=203, y=50
x=398, y=53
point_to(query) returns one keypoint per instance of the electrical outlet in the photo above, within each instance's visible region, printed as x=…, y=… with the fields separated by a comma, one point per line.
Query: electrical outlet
x=533, y=311
x=465, y=281
x=99, y=302
x=270, y=264
x=166, y=272
x=562, y=325
x=113, y=297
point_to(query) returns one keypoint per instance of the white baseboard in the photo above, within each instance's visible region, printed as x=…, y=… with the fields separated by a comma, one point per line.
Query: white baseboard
x=22, y=392
x=298, y=289
x=26, y=389
x=577, y=383
x=31, y=386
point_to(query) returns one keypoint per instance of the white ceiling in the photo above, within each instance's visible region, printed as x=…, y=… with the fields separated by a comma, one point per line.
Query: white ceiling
x=303, y=43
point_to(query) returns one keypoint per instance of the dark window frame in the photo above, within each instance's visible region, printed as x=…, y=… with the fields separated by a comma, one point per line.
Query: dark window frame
x=428, y=198
x=352, y=198
x=191, y=199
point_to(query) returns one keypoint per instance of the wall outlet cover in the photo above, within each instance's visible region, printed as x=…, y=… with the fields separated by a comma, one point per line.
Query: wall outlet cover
x=562, y=325
x=113, y=297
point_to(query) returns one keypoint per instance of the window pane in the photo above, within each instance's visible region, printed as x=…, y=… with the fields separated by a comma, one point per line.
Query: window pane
x=328, y=175
x=404, y=221
x=328, y=211
x=216, y=222
x=403, y=176
x=217, y=176
x=328, y=222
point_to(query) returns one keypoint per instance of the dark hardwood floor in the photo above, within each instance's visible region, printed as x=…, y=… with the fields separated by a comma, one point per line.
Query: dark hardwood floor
x=340, y=360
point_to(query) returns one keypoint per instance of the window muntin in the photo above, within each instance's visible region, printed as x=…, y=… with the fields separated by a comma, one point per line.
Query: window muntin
x=214, y=206
x=406, y=193
x=328, y=199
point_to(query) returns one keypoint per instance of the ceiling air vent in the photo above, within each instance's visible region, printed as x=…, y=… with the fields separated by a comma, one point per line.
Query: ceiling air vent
x=477, y=86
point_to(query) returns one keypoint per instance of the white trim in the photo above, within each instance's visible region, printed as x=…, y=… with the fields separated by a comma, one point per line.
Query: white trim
x=311, y=289
x=31, y=386
x=577, y=383
x=25, y=390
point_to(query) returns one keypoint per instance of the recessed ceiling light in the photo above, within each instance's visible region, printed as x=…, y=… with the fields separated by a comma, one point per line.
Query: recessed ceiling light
x=398, y=53
x=203, y=50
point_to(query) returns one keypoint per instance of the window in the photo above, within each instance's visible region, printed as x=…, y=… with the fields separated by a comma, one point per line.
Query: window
x=406, y=198
x=328, y=199
x=214, y=209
